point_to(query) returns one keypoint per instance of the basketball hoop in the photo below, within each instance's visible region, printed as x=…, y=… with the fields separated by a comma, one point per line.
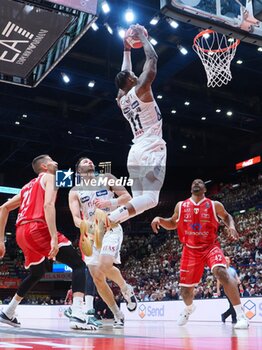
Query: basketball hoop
x=216, y=52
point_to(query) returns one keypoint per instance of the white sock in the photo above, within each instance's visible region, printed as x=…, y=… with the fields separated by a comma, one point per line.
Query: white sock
x=10, y=310
x=116, y=311
x=89, y=302
x=238, y=309
x=119, y=215
x=77, y=304
x=189, y=307
x=124, y=288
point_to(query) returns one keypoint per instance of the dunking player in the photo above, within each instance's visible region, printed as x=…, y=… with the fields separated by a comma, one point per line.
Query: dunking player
x=147, y=157
x=83, y=201
x=196, y=220
x=37, y=236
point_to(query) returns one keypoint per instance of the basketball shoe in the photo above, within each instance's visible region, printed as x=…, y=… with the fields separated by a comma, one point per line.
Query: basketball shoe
x=242, y=322
x=78, y=320
x=91, y=317
x=184, y=316
x=11, y=321
x=119, y=321
x=128, y=294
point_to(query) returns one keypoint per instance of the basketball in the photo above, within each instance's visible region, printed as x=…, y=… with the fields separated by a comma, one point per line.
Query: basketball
x=134, y=42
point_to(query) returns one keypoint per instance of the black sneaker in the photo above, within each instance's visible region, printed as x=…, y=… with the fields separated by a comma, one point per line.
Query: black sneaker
x=11, y=321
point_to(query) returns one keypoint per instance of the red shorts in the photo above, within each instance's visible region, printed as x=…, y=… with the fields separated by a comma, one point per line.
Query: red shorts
x=194, y=260
x=34, y=240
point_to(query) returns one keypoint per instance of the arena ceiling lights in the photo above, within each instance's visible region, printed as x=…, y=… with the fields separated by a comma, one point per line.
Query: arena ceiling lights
x=35, y=35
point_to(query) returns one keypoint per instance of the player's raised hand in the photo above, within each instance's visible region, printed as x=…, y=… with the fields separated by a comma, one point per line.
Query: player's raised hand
x=155, y=224
x=138, y=30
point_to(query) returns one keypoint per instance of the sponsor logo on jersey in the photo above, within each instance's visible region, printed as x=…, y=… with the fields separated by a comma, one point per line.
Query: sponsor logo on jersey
x=85, y=199
x=126, y=110
x=205, y=216
x=134, y=104
x=196, y=210
x=207, y=205
x=101, y=193
x=196, y=226
x=188, y=216
x=196, y=233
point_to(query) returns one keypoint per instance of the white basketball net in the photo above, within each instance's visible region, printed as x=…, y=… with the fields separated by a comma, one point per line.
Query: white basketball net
x=216, y=52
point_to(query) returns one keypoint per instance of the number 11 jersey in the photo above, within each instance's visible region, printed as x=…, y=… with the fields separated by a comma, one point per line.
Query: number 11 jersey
x=144, y=117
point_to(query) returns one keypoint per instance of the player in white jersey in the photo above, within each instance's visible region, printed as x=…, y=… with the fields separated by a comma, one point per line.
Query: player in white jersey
x=147, y=157
x=91, y=193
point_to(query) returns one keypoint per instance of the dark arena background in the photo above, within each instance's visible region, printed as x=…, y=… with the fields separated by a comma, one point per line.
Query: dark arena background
x=58, y=62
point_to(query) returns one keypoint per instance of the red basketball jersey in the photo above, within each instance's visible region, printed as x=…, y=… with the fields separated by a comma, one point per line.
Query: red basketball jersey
x=32, y=201
x=197, y=223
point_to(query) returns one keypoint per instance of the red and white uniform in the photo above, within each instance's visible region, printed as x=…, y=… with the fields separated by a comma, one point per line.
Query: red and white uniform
x=32, y=234
x=197, y=227
x=148, y=153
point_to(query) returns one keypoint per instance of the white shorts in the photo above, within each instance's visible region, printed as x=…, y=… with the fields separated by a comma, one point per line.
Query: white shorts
x=111, y=245
x=147, y=155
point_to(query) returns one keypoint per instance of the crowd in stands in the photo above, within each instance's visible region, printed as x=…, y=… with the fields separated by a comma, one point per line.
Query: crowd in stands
x=151, y=262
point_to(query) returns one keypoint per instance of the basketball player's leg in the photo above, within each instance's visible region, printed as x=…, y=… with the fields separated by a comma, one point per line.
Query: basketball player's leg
x=146, y=166
x=106, y=294
x=217, y=262
x=68, y=255
x=191, y=270
x=108, y=254
x=90, y=292
x=36, y=272
x=35, y=261
x=145, y=200
x=115, y=275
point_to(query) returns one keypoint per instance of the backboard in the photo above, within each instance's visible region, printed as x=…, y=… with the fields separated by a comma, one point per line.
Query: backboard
x=238, y=18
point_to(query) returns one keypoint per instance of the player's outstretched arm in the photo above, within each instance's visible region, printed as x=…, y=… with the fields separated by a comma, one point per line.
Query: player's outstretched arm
x=50, y=212
x=126, y=65
x=150, y=67
x=5, y=209
x=127, y=61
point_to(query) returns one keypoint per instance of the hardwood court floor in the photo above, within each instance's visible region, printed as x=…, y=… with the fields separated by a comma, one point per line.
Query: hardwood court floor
x=141, y=335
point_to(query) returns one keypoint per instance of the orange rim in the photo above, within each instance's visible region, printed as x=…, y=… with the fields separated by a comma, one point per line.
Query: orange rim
x=210, y=31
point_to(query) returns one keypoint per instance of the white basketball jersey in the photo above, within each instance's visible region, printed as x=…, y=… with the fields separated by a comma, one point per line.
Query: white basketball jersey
x=144, y=117
x=87, y=198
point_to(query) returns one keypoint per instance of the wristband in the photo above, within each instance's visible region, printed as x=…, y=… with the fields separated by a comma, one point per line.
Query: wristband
x=113, y=202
